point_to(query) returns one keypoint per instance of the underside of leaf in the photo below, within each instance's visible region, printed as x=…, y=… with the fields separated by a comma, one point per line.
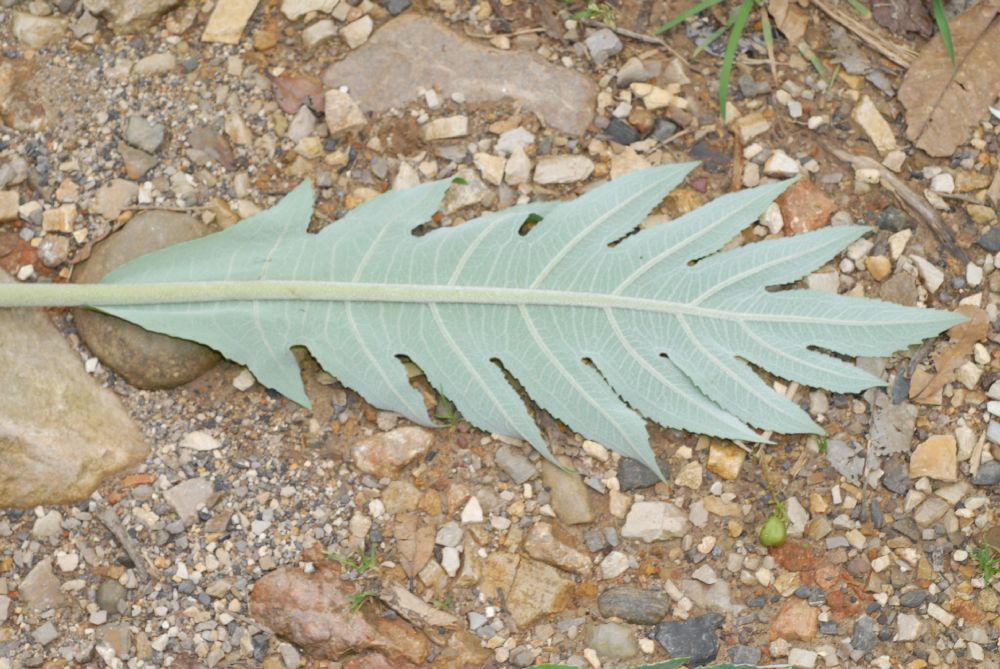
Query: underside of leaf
x=601, y=325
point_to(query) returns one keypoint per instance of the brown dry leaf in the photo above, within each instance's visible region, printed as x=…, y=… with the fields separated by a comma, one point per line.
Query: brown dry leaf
x=414, y=543
x=903, y=16
x=414, y=609
x=789, y=18
x=947, y=361
x=944, y=103
x=291, y=91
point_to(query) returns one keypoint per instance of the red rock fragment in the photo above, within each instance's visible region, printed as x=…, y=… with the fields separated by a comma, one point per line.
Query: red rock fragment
x=805, y=207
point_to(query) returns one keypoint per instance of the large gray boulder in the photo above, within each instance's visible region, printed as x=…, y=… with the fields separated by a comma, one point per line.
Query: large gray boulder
x=61, y=433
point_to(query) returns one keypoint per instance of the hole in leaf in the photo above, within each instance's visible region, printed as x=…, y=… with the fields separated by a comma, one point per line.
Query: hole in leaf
x=528, y=224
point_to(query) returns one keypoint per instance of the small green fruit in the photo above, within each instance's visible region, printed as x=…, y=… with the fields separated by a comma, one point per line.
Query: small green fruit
x=773, y=533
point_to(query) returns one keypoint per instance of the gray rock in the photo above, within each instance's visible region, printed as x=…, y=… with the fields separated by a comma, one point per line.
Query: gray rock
x=632, y=71
x=900, y=288
x=991, y=240
x=48, y=526
x=602, y=45
x=633, y=475
x=988, y=473
x=137, y=162
x=109, y=594
x=864, y=637
x=46, y=634
x=143, y=134
x=621, y=132
x=41, y=590
x=744, y=655
x=895, y=477
x=412, y=53
x=188, y=496
x=60, y=432
x=848, y=458
x=129, y=16
x=612, y=640
x=907, y=527
x=515, y=465
x=569, y=497
x=397, y=7
x=892, y=426
x=694, y=638
x=664, y=129
x=145, y=359
x=633, y=605
x=913, y=598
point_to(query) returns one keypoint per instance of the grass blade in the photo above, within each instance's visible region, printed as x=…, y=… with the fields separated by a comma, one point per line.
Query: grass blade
x=768, y=32
x=941, y=19
x=700, y=7
x=709, y=40
x=727, y=62
x=860, y=9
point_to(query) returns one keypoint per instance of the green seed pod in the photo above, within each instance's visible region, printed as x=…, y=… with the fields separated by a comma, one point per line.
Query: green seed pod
x=773, y=532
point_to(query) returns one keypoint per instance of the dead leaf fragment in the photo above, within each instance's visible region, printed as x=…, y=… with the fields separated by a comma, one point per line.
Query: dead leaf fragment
x=903, y=16
x=291, y=91
x=789, y=18
x=944, y=103
x=414, y=544
x=947, y=361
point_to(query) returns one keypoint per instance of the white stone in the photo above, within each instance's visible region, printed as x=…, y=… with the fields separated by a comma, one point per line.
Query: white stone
x=931, y=276
x=200, y=440
x=491, y=167
x=319, y=32
x=518, y=168
x=705, y=574
x=654, y=521
x=406, y=177
x=67, y=561
x=969, y=374
x=514, y=139
x=973, y=274
x=940, y=615
x=908, y=627
x=563, y=169
x=595, y=450
x=800, y=658
x=898, y=242
x=448, y=127
x=343, y=114
x=48, y=526
x=780, y=165
x=614, y=565
x=244, y=380
x=943, y=183
x=294, y=9
x=472, y=512
x=449, y=534
x=827, y=282
x=357, y=32
x=875, y=126
x=772, y=218
x=450, y=560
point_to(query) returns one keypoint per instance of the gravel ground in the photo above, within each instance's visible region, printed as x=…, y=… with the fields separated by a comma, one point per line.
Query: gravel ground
x=512, y=561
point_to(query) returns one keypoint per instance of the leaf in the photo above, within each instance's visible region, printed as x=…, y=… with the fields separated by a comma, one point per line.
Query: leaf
x=902, y=17
x=414, y=543
x=789, y=19
x=947, y=361
x=600, y=326
x=943, y=101
x=291, y=91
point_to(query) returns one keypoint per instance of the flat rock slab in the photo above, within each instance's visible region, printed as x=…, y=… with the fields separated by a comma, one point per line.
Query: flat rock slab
x=60, y=432
x=413, y=53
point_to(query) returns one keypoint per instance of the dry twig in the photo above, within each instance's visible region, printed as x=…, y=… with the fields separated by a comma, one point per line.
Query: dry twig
x=131, y=548
x=894, y=50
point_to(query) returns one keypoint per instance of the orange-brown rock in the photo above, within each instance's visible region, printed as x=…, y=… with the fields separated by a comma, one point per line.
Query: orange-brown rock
x=797, y=621
x=313, y=611
x=805, y=207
